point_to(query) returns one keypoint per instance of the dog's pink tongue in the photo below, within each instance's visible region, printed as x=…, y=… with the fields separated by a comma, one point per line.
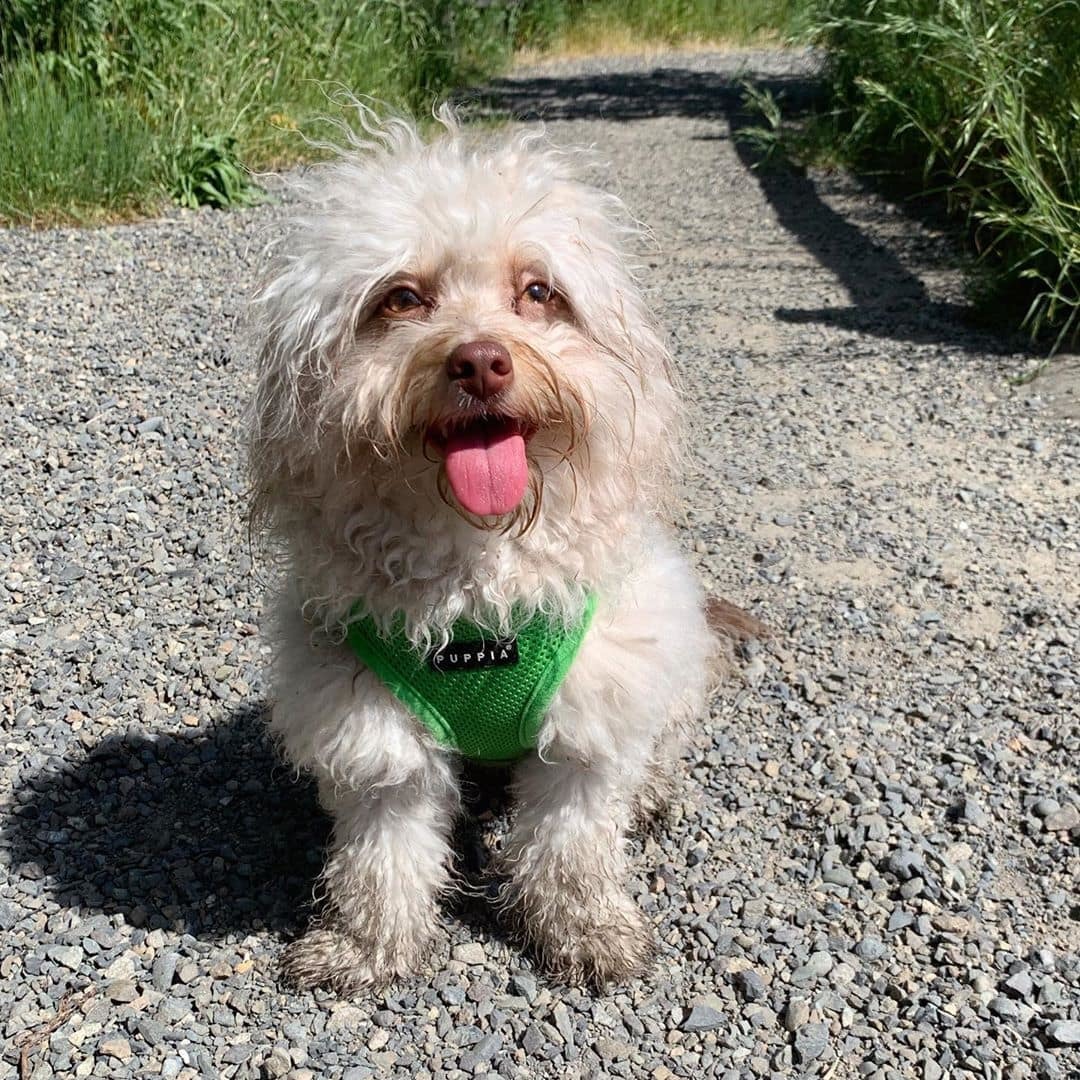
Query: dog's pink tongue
x=487, y=469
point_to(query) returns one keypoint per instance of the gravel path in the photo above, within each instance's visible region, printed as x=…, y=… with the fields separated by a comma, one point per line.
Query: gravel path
x=873, y=871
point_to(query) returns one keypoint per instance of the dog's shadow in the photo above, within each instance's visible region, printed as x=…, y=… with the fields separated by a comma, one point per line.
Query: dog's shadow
x=205, y=833
x=208, y=833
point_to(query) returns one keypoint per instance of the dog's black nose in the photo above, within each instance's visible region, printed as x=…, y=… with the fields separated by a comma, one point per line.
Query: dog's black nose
x=481, y=368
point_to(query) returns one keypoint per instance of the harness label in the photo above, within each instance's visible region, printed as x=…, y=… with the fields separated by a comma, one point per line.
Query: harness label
x=474, y=656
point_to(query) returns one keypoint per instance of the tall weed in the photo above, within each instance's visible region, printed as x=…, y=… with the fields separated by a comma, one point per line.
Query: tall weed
x=980, y=100
x=62, y=145
x=107, y=105
x=175, y=94
x=588, y=25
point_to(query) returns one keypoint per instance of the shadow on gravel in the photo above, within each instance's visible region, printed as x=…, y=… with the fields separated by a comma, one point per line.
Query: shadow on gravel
x=207, y=834
x=888, y=300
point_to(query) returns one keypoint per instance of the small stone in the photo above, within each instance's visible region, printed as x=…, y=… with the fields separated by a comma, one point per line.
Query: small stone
x=1020, y=984
x=796, y=1014
x=612, y=1049
x=1004, y=1007
x=750, y=985
x=950, y=924
x=523, y=984
x=899, y=919
x=1045, y=807
x=563, y=1023
x=9, y=916
x=1064, y=1032
x=345, y=1018
x=819, y=964
x=116, y=1048
x=702, y=1018
x=150, y=1031
x=912, y=887
x=839, y=875
x=971, y=812
x=532, y=1040
x=277, y=1064
x=123, y=967
x=811, y=1041
x=173, y=1009
x=1068, y=817
x=163, y=971
x=842, y=974
x=870, y=948
x=480, y=1053
x=187, y=972
x=69, y=956
x=378, y=1039
x=122, y=991
x=906, y=864
x=385, y=1018
x=470, y=953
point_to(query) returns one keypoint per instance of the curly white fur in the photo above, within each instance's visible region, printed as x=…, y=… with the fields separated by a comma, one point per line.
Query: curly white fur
x=346, y=481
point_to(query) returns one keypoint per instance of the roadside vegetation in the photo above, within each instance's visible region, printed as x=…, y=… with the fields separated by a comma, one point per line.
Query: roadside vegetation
x=976, y=102
x=110, y=107
x=581, y=27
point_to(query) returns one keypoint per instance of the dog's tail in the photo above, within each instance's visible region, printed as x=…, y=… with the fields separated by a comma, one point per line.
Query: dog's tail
x=731, y=629
x=732, y=624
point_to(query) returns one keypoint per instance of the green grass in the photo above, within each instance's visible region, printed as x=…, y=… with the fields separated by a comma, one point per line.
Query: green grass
x=48, y=162
x=584, y=26
x=977, y=101
x=108, y=108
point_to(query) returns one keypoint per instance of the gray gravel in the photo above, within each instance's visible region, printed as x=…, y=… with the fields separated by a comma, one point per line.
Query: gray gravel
x=872, y=869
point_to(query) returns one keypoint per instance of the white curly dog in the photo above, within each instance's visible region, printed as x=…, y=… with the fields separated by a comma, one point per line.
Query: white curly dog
x=464, y=438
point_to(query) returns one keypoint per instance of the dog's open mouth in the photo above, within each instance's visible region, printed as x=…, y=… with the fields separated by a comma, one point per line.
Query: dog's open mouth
x=485, y=462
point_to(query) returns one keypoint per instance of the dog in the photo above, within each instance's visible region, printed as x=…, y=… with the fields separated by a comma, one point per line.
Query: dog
x=465, y=443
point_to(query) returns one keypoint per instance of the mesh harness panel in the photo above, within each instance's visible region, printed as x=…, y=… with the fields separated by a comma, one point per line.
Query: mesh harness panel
x=482, y=696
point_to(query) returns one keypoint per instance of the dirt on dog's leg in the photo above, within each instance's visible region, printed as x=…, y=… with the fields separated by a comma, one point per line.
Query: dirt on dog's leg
x=567, y=866
x=389, y=862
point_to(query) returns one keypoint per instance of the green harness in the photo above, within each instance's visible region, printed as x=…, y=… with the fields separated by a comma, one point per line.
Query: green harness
x=482, y=696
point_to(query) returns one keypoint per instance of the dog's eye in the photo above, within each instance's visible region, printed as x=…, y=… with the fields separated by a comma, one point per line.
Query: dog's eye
x=539, y=293
x=402, y=301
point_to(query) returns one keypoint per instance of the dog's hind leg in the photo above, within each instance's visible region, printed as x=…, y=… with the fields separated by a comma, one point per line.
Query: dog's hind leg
x=664, y=774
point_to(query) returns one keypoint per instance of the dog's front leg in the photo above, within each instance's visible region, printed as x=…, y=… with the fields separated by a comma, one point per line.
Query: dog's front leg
x=388, y=863
x=567, y=865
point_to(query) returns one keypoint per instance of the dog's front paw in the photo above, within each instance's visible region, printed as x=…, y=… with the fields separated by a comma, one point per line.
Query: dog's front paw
x=336, y=960
x=594, y=940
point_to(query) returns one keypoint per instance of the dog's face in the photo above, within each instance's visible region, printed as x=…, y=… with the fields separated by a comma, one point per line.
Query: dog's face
x=454, y=327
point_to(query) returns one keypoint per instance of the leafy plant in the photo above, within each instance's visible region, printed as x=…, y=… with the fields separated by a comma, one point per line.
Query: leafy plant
x=206, y=172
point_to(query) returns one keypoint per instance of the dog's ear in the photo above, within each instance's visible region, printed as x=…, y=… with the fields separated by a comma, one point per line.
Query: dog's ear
x=289, y=332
